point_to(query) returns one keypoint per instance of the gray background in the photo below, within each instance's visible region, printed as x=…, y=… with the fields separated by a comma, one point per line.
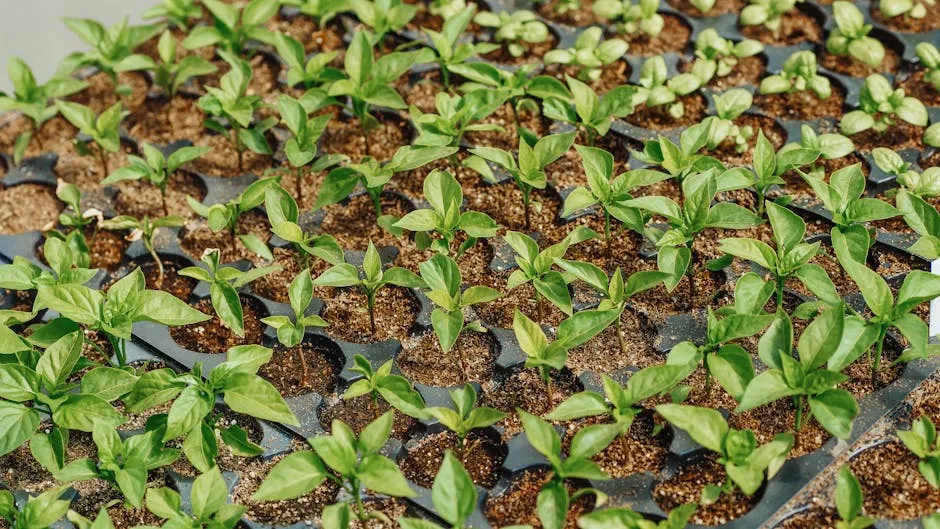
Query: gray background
x=33, y=29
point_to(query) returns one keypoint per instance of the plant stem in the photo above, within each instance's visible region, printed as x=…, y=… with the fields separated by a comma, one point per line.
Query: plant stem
x=607, y=238
x=547, y=378
x=708, y=382
x=156, y=259
x=371, y=301
x=238, y=147
x=798, y=404
x=297, y=182
x=526, y=198
x=445, y=77
x=876, y=362
x=621, y=339
x=36, y=135
x=103, y=156
x=376, y=195
x=780, y=282
x=305, y=376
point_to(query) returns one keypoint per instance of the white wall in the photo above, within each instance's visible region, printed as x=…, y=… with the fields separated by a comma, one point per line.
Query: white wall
x=33, y=30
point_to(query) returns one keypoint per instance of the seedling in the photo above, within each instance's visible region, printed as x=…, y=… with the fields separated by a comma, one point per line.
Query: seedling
x=769, y=167
x=448, y=9
x=230, y=102
x=536, y=267
x=373, y=174
x=574, y=331
x=383, y=16
x=746, y=464
x=828, y=146
x=284, y=216
x=225, y=216
x=661, y=91
x=465, y=416
x=74, y=216
x=354, y=464
x=442, y=277
x=717, y=56
x=124, y=463
x=301, y=147
x=373, y=279
x=800, y=72
x=179, y=13
x=33, y=100
x=848, y=500
x=312, y=74
x=625, y=518
x=145, y=230
x=112, y=49
x=234, y=26
x=554, y=499
x=789, y=259
x=456, y=116
x=453, y=494
x=679, y=161
x=842, y=198
x=514, y=29
x=880, y=107
x=208, y=503
x=728, y=107
x=616, y=293
x=641, y=18
x=519, y=86
x=444, y=218
x=932, y=135
x=590, y=114
x=66, y=266
x=528, y=172
x=114, y=313
x=590, y=54
x=922, y=217
x=173, y=72
x=192, y=414
x=39, y=512
x=921, y=440
x=394, y=389
x=446, y=45
x=850, y=36
x=806, y=378
x=155, y=168
x=767, y=13
x=224, y=282
x=929, y=57
x=910, y=8
x=924, y=184
x=320, y=11
x=103, y=129
x=290, y=333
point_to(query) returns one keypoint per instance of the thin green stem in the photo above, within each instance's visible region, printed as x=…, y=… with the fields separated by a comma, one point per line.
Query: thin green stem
x=798, y=404
x=370, y=297
x=780, y=282
x=876, y=362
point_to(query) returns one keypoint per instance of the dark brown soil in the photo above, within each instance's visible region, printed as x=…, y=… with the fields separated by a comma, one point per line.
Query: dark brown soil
x=812, y=518
x=892, y=485
x=795, y=27
x=222, y=160
x=141, y=199
x=658, y=118
x=508, y=139
x=286, y=372
x=470, y=359
x=100, y=93
x=777, y=417
x=396, y=310
x=54, y=135
x=226, y=460
x=167, y=121
x=720, y=8
x=28, y=207
x=638, y=451
x=573, y=17
x=86, y=171
x=314, y=38
x=602, y=353
x=803, y=105
x=481, y=456
x=105, y=248
x=901, y=135
x=747, y=71
x=97, y=493
x=212, y=336
x=500, y=312
x=674, y=37
x=358, y=412
x=687, y=485
x=907, y=24
x=180, y=286
x=345, y=137
x=612, y=75
x=915, y=86
x=517, y=504
x=846, y=64
x=354, y=224
x=523, y=388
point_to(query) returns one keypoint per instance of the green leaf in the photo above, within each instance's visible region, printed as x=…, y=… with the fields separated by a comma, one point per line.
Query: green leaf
x=381, y=474
x=17, y=424
x=208, y=494
x=835, y=410
x=706, y=426
x=453, y=492
x=252, y=395
x=295, y=475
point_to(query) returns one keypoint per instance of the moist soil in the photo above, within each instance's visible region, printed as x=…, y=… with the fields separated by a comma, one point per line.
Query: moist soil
x=674, y=37
x=141, y=199
x=345, y=136
x=612, y=75
x=472, y=358
x=396, y=311
x=105, y=248
x=213, y=336
x=86, y=171
x=286, y=371
x=315, y=38
x=658, y=118
x=100, y=93
x=803, y=105
x=501, y=311
x=165, y=121
x=602, y=353
x=720, y=8
x=580, y=17
x=795, y=27
x=637, y=451
x=173, y=283
x=196, y=237
x=891, y=484
x=747, y=71
x=523, y=388
x=517, y=505
x=358, y=412
x=915, y=86
x=480, y=455
x=908, y=24
x=812, y=518
x=686, y=487
x=354, y=224
x=901, y=135
x=27, y=207
x=227, y=460
x=847, y=65
x=222, y=160
x=55, y=133
x=508, y=138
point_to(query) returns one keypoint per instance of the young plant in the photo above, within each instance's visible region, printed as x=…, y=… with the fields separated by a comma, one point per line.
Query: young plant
x=767, y=13
x=453, y=494
x=224, y=282
x=178, y=13
x=442, y=277
x=716, y=56
x=66, y=266
x=444, y=218
x=729, y=106
x=373, y=279
x=658, y=90
x=373, y=175
x=396, y=390
x=319, y=11
x=806, y=378
x=590, y=54
x=842, y=198
x=353, y=463
x=301, y=147
x=633, y=19
x=590, y=114
x=34, y=101
x=880, y=107
x=911, y=8
x=284, y=217
x=518, y=86
x=554, y=499
x=921, y=440
x=929, y=57
x=527, y=169
x=124, y=463
x=536, y=267
x=625, y=518
x=207, y=500
x=173, y=72
x=514, y=29
x=614, y=290
x=828, y=146
x=456, y=115
x=112, y=49
x=800, y=72
x=145, y=230
x=850, y=36
x=155, y=168
x=192, y=415
x=789, y=259
x=924, y=184
x=313, y=74
x=769, y=167
x=746, y=464
x=39, y=512
x=932, y=135
x=465, y=416
x=574, y=331
x=114, y=313
x=682, y=160
x=225, y=216
x=230, y=102
x=923, y=218
x=848, y=500
x=449, y=51
x=234, y=26
x=103, y=128
x=290, y=333
x=383, y=16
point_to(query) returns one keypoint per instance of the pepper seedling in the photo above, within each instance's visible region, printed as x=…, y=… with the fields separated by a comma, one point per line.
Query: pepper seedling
x=234, y=26
x=661, y=91
x=225, y=216
x=354, y=463
x=929, y=57
x=290, y=333
x=178, y=13
x=767, y=13
x=924, y=184
x=514, y=29
x=39, y=512
x=769, y=167
x=224, y=282
x=456, y=115
x=527, y=168
x=589, y=114
x=145, y=230
x=319, y=11
x=679, y=161
x=624, y=518
x=174, y=72
x=383, y=16
x=314, y=74
x=66, y=266
x=850, y=36
x=916, y=9
x=746, y=464
x=446, y=45
x=465, y=415
x=208, y=503
x=729, y=106
x=632, y=18
x=827, y=146
x=155, y=168
x=453, y=494
x=444, y=218
x=800, y=72
x=842, y=198
x=103, y=128
x=590, y=54
x=848, y=500
x=34, y=101
x=112, y=49
x=922, y=217
x=518, y=86
x=880, y=107
x=716, y=56
x=396, y=390
x=921, y=440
